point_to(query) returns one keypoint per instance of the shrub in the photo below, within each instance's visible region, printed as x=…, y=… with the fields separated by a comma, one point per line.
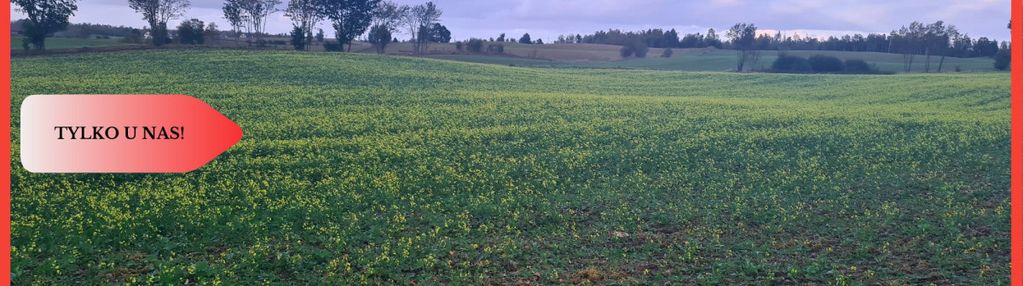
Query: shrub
x=1003, y=59
x=332, y=46
x=496, y=48
x=667, y=53
x=191, y=32
x=791, y=64
x=634, y=47
x=625, y=52
x=859, y=66
x=474, y=45
x=826, y=64
x=460, y=46
x=640, y=49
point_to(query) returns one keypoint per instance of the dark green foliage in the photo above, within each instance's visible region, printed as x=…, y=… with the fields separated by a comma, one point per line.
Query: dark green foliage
x=44, y=18
x=350, y=18
x=858, y=66
x=380, y=36
x=474, y=45
x=791, y=64
x=1003, y=59
x=826, y=64
x=156, y=13
x=785, y=63
x=743, y=37
x=159, y=35
x=634, y=47
x=191, y=32
x=438, y=33
x=298, y=38
x=332, y=46
x=525, y=39
x=667, y=53
x=495, y=48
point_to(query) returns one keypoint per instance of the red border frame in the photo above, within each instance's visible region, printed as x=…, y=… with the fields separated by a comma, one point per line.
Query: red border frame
x=5, y=148
x=1016, y=168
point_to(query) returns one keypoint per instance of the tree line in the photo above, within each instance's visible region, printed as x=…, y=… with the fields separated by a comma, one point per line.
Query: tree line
x=349, y=19
x=934, y=40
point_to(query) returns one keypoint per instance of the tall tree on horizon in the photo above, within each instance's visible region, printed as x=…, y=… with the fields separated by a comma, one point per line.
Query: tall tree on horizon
x=156, y=13
x=304, y=16
x=235, y=16
x=743, y=37
x=350, y=18
x=44, y=18
x=418, y=19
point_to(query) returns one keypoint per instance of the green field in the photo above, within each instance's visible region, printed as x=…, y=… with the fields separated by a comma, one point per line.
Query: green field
x=71, y=43
x=391, y=170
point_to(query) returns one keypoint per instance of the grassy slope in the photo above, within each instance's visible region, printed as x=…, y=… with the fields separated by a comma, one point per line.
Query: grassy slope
x=364, y=168
x=72, y=43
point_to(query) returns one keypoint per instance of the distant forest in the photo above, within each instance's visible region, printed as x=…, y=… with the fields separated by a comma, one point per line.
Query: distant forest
x=917, y=38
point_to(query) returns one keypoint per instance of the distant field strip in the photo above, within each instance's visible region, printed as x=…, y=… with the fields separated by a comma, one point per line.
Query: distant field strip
x=389, y=170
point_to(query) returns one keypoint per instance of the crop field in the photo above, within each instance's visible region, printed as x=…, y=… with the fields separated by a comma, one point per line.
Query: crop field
x=391, y=170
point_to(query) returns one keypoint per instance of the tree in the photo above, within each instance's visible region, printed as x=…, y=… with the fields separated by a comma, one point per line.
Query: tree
x=1003, y=59
x=500, y=38
x=539, y=42
x=525, y=39
x=257, y=11
x=389, y=15
x=234, y=15
x=439, y=34
x=419, y=18
x=157, y=13
x=691, y=41
x=191, y=32
x=380, y=36
x=908, y=42
x=947, y=48
x=985, y=47
x=319, y=35
x=935, y=41
x=304, y=16
x=670, y=39
x=711, y=39
x=211, y=32
x=474, y=45
x=44, y=18
x=350, y=18
x=743, y=37
x=298, y=38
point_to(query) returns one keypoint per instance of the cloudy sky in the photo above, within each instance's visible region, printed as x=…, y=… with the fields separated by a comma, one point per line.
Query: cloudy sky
x=549, y=18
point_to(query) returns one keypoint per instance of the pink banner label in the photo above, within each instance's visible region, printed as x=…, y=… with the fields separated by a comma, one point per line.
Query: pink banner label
x=121, y=133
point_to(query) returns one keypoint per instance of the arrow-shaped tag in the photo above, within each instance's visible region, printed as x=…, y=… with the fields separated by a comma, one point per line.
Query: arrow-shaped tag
x=121, y=133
